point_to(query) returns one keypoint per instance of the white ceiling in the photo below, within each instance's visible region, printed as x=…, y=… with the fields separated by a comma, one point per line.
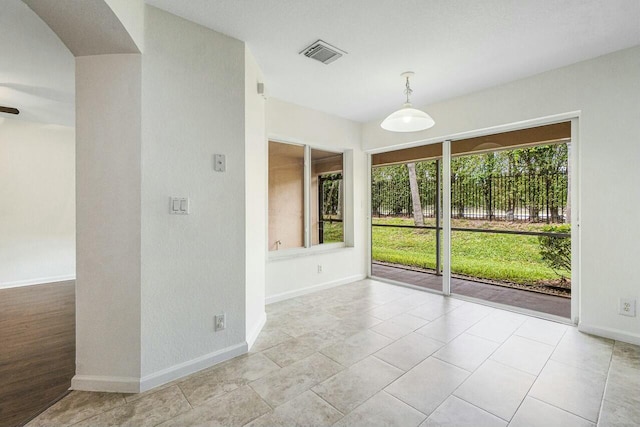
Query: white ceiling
x=37, y=71
x=454, y=46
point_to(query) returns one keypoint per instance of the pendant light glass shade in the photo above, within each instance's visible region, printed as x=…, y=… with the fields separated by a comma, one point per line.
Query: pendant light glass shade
x=407, y=119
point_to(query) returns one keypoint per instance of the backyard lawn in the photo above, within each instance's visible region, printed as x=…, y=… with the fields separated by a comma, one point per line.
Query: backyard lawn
x=502, y=257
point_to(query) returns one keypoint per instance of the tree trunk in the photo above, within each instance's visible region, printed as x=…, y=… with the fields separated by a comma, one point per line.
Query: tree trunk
x=415, y=195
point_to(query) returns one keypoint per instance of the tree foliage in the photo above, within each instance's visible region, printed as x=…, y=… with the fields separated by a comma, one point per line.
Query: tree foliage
x=534, y=177
x=556, y=251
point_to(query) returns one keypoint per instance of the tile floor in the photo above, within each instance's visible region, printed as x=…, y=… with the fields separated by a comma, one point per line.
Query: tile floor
x=370, y=353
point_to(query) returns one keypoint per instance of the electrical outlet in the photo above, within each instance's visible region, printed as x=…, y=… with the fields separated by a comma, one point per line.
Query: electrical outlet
x=319, y=268
x=219, y=322
x=627, y=307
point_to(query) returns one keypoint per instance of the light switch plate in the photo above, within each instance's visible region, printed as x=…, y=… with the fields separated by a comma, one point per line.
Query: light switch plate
x=179, y=205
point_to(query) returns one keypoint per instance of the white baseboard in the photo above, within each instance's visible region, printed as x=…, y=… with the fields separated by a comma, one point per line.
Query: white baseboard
x=614, y=334
x=194, y=365
x=108, y=384
x=298, y=292
x=38, y=281
x=253, y=335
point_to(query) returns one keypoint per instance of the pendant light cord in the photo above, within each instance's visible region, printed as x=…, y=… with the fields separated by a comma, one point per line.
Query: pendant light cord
x=408, y=90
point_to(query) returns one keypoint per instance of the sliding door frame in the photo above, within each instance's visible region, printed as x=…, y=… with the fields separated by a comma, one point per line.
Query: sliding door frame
x=446, y=140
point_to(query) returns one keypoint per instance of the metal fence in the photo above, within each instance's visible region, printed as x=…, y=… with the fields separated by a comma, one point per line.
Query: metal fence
x=534, y=198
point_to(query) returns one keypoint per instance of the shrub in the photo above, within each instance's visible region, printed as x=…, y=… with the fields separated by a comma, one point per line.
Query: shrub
x=556, y=251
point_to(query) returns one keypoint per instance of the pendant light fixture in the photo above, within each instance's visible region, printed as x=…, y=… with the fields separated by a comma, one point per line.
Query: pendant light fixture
x=407, y=119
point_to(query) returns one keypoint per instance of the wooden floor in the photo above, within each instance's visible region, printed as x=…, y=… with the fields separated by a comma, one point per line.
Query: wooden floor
x=37, y=348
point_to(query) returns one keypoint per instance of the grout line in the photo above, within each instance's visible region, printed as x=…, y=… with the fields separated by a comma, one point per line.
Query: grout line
x=562, y=409
x=476, y=406
x=185, y=396
x=321, y=398
x=606, y=383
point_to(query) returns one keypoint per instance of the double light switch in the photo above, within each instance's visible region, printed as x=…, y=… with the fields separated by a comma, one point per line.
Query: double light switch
x=179, y=206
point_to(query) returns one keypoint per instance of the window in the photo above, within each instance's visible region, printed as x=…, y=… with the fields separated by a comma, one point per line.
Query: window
x=306, y=196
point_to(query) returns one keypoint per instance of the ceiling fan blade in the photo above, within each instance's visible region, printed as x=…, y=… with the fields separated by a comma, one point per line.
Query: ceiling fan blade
x=9, y=110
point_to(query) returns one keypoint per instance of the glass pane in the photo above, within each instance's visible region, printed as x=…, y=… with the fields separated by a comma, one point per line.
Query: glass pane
x=286, y=196
x=406, y=218
x=510, y=239
x=327, y=197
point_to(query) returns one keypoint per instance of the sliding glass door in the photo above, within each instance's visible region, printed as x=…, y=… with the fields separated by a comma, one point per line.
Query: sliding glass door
x=507, y=235
x=406, y=201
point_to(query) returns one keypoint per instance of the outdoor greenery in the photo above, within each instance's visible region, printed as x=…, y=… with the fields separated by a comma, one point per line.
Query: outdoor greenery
x=556, y=252
x=333, y=232
x=533, y=179
x=514, y=190
x=504, y=257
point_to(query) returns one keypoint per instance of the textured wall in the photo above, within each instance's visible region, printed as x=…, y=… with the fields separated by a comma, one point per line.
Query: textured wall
x=193, y=266
x=607, y=92
x=37, y=203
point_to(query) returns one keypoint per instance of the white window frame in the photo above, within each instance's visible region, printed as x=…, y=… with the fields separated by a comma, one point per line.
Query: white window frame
x=347, y=221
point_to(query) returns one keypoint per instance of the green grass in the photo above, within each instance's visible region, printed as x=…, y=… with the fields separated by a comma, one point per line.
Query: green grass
x=505, y=257
x=333, y=232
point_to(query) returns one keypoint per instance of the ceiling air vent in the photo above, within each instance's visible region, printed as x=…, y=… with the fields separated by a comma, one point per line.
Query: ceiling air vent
x=323, y=52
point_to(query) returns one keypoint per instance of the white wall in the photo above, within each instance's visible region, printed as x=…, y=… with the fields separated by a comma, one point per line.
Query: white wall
x=108, y=168
x=287, y=277
x=193, y=266
x=607, y=92
x=131, y=15
x=37, y=203
x=255, y=197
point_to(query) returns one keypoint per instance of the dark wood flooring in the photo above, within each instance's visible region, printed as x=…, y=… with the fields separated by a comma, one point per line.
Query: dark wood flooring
x=550, y=304
x=37, y=348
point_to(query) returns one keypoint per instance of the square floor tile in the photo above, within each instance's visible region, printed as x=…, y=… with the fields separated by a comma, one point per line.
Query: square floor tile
x=584, y=351
x=545, y=331
x=427, y=385
x=573, y=389
x=225, y=377
x=77, y=406
x=268, y=338
x=623, y=385
x=467, y=351
x=524, y=354
x=433, y=310
x=150, y=410
x=295, y=349
x=534, y=413
x=445, y=328
x=287, y=383
x=458, y=413
x=399, y=326
x=496, y=388
x=305, y=410
x=616, y=414
x=408, y=351
x=498, y=326
x=356, y=347
x=382, y=410
x=232, y=409
x=354, y=385
x=627, y=355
